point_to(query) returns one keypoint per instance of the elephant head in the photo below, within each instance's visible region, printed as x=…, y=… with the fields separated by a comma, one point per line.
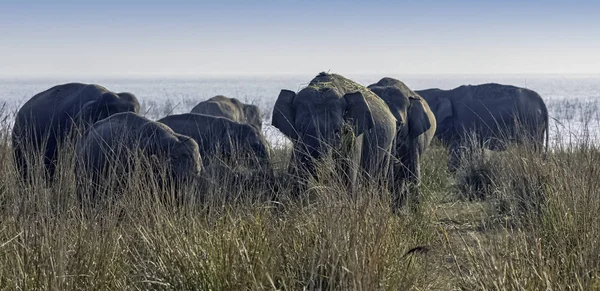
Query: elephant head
x=315, y=117
x=108, y=104
x=246, y=141
x=184, y=158
x=406, y=106
x=441, y=107
x=176, y=153
x=252, y=114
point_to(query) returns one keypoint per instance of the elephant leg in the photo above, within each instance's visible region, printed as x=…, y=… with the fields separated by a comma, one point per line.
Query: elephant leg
x=400, y=190
x=388, y=165
x=21, y=162
x=351, y=161
x=296, y=174
x=378, y=148
x=28, y=157
x=372, y=159
x=538, y=142
x=406, y=175
x=413, y=174
x=347, y=170
x=50, y=161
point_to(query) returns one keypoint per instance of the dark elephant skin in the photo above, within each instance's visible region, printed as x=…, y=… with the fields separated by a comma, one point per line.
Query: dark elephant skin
x=111, y=145
x=45, y=121
x=231, y=108
x=497, y=114
x=218, y=136
x=415, y=128
x=315, y=118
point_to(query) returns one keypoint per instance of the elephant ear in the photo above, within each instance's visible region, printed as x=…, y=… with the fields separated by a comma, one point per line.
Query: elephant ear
x=398, y=102
x=418, y=119
x=283, y=114
x=185, y=142
x=443, y=110
x=358, y=112
x=252, y=114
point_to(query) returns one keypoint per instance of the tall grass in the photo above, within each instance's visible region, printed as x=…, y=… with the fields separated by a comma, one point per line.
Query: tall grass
x=239, y=234
x=541, y=227
x=534, y=226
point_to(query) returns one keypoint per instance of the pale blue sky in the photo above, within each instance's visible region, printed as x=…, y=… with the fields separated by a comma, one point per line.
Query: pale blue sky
x=189, y=38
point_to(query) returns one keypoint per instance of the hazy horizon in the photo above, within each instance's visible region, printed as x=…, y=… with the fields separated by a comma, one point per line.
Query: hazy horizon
x=234, y=38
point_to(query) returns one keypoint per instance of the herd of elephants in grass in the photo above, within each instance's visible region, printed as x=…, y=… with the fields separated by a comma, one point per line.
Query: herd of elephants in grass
x=373, y=133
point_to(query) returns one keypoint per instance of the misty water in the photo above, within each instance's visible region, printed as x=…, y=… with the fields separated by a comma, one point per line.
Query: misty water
x=572, y=100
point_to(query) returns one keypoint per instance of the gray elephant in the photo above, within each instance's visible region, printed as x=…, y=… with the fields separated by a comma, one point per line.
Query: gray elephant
x=415, y=124
x=231, y=108
x=223, y=138
x=315, y=119
x=45, y=121
x=495, y=114
x=110, y=150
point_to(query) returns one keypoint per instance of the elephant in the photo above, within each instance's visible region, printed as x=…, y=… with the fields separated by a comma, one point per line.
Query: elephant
x=334, y=114
x=110, y=148
x=51, y=118
x=493, y=115
x=415, y=128
x=231, y=108
x=222, y=137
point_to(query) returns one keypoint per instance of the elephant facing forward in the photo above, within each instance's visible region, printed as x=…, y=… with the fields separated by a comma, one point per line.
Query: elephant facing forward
x=315, y=118
x=495, y=115
x=230, y=108
x=415, y=128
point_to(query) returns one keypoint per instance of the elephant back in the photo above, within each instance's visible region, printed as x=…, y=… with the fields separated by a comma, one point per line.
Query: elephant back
x=490, y=91
x=219, y=106
x=60, y=99
x=65, y=92
x=401, y=94
x=231, y=108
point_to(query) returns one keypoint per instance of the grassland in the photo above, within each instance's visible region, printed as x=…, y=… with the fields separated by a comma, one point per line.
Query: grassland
x=505, y=221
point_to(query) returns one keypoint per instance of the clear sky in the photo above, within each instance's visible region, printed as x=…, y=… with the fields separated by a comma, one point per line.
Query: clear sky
x=188, y=38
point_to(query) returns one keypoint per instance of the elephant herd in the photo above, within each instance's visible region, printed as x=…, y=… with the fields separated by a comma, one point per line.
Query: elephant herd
x=378, y=133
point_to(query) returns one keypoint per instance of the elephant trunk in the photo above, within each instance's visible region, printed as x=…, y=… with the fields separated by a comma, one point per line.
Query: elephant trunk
x=186, y=162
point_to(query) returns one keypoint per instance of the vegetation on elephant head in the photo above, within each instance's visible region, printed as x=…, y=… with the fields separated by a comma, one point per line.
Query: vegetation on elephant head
x=319, y=111
x=326, y=81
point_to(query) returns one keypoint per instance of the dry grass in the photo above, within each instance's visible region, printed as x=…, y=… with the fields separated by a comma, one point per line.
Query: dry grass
x=535, y=228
